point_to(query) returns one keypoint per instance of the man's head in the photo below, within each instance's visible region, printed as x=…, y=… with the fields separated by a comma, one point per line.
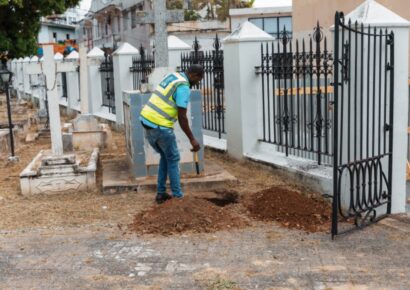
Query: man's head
x=195, y=73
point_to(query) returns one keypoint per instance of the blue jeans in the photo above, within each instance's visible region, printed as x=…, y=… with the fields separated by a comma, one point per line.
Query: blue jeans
x=164, y=142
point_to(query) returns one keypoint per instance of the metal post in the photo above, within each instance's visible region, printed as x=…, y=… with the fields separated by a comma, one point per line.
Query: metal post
x=335, y=126
x=390, y=126
x=10, y=122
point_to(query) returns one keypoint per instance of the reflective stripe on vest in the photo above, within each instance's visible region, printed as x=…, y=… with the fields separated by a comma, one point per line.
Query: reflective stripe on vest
x=161, y=108
x=161, y=112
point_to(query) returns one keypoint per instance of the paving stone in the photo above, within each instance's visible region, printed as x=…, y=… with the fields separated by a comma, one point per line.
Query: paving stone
x=262, y=257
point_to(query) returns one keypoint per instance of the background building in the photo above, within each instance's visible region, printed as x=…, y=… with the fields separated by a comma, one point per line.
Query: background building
x=109, y=23
x=270, y=16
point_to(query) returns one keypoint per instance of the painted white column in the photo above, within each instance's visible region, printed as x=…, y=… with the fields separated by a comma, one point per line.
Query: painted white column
x=20, y=78
x=34, y=80
x=242, y=87
x=122, y=61
x=26, y=78
x=58, y=58
x=175, y=48
x=73, y=83
x=95, y=57
x=13, y=67
x=401, y=95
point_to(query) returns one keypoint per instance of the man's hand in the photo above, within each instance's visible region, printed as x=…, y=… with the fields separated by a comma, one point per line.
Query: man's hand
x=195, y=145
x=183, y=122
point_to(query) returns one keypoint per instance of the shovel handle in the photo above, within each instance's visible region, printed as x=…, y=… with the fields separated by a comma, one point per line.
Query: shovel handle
x=196, y=162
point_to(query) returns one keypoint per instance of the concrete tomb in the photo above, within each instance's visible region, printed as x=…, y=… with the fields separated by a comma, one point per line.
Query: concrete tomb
x=138, y=169
x=143, y=159
x=53, y=172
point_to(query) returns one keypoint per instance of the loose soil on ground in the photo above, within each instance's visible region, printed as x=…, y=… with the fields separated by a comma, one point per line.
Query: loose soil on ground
x=290, y=208
x=191, y=214
x=224, y=210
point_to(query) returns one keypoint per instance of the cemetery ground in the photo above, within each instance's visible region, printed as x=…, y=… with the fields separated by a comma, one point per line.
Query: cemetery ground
x=263, y=232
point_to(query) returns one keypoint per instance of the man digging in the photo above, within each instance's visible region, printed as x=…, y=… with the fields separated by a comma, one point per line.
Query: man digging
x=167, y=104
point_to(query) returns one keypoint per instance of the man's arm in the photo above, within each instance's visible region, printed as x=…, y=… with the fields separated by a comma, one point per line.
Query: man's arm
x=183, y=122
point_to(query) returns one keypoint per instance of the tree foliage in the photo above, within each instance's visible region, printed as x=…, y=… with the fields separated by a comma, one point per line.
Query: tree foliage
x=175, y=4
x=20, y=23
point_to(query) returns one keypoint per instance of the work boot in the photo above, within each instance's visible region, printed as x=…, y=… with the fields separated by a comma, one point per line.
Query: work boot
x=162, y=197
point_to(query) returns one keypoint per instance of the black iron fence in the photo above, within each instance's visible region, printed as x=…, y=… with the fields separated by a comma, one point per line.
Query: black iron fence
x=64, y=85
x=107, y=83
x=363, y=121
x=141, y=67
x=79, y=83
x=211, y=86
x=297, y=96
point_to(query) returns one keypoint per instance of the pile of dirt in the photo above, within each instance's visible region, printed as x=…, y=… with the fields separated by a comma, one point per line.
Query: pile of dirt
x=290, y=208
x=190, y=214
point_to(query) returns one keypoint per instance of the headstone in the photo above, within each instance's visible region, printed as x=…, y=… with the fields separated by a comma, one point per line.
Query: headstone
x=160, y=16
x=143, y=159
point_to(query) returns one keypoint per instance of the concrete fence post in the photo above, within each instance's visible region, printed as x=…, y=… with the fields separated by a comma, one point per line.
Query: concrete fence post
x=122, y=61
x=175, y=48
x=94, y=59
x=401, y=107
x=73, y=83
x=243, y=87
x=26, y=78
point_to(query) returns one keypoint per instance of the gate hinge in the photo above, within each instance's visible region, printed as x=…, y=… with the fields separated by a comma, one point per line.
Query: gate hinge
x=389, y=67
x=387, y=127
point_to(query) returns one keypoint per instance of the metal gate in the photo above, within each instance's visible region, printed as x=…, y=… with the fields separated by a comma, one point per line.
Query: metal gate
x=211, y=86
x=107, y=83
x=363, y=125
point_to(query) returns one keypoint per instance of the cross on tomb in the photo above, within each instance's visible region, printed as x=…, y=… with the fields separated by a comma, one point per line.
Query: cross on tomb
x=49, y=68
x=160, y=17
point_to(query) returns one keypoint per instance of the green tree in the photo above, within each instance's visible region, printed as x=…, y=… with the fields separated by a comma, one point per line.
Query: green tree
x=191, y=15
x=175, y=4
x=20, y=23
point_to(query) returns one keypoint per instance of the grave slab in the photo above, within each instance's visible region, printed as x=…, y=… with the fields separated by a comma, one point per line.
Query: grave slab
x=118, y=177
x=51, y=174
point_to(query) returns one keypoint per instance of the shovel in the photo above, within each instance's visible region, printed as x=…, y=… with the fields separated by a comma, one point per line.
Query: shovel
x=196, y=162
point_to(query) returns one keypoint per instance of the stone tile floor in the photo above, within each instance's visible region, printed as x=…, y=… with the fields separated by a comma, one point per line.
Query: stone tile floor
x=262, y=257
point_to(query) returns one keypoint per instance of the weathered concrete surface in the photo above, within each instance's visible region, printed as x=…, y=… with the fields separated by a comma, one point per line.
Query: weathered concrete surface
x=263, y=257
x=117, y=178
x=55, y=174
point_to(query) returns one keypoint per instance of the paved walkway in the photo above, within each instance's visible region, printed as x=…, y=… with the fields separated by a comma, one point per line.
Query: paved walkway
x=262, y=257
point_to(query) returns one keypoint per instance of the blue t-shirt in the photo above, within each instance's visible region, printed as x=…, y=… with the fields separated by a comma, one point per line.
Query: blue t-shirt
x=181, y=97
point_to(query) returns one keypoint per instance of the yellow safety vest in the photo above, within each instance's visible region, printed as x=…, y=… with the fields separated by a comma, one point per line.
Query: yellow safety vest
x=161, y=108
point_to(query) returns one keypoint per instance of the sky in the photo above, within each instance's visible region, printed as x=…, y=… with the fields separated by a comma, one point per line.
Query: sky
x=85, y=4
